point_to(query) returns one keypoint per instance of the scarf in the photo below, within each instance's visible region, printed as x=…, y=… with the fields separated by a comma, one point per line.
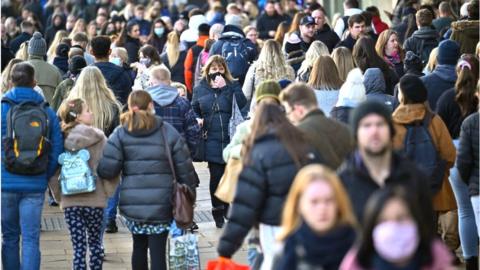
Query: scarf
x=305, y=248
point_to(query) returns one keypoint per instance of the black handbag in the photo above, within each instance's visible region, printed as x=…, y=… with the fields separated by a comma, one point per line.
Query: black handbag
x=199, y=154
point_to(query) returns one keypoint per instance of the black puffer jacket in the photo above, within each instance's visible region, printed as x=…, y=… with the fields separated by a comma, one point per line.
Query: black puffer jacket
x=468, y=153
x=215, y=107
x=147, y=181
x=262, y=189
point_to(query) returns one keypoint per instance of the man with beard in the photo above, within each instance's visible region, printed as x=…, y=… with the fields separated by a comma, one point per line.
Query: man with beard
x=374, y=165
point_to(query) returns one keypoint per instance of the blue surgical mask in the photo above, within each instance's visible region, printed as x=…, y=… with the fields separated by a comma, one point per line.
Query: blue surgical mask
x=116, y=61
x=159, y=31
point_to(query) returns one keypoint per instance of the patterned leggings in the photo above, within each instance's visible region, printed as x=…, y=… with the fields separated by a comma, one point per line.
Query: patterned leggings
x=82, y=221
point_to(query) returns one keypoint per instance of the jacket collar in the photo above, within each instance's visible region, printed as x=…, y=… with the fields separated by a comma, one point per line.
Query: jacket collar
x=408, y=113
x=313, y=113
x=20, y=94
x=201, y=40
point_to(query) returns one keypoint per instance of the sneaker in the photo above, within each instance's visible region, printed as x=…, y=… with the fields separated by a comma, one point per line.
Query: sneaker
x=111, y=227
x=194, y=227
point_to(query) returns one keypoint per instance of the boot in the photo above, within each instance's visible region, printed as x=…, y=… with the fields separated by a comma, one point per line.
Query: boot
x=471, y=263
x=217, y=214
x=111, y=227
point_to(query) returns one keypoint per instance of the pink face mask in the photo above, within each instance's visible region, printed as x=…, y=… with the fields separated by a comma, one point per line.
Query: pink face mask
x=396, y=240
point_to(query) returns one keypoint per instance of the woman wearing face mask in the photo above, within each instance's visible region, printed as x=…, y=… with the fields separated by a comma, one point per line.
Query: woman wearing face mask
x=212, y=103
x=174, y=57
x=129, y=39
x=158, y=35
x=318, y=222
x=395, y=237
x=148, y=59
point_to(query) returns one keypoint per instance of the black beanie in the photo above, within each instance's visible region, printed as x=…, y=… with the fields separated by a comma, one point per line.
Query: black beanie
x=77, y=63
x=413, y=89
x=62, y=50
x=371, y=107
x=412, y=62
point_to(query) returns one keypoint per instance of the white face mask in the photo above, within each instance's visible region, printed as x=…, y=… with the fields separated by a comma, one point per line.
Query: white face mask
x=116, y=60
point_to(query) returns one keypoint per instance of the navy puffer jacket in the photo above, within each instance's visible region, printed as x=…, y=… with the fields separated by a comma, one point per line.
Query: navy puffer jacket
x=215, y=107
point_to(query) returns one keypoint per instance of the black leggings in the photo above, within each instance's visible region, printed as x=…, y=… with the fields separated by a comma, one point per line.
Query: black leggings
x=157, y=243
x=216, y=172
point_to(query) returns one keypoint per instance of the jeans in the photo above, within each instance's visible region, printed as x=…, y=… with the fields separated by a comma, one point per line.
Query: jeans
x=112, y=204
x=157, y=244
x=21, y=215
x=466, y=217
x=476, y=209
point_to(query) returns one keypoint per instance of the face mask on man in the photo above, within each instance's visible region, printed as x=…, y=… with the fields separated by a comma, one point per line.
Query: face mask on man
x=116, y=60
x=395, y=241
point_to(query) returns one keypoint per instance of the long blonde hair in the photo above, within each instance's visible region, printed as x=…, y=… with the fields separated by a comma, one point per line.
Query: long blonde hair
x=344, y=61
x=432, y=60
x=173, y=48
x=51, y=53
x=324, y=74
x=76, y=28
x=92, y=87
x=271, y=63
x=317, y=49
x=291, y=219
x=7, y=73
x=22, y=52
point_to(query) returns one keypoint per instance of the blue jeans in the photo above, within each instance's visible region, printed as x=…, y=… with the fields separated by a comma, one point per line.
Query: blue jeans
x=111, y=210
x=21, y=215
x=466, y=217
x=476, y=209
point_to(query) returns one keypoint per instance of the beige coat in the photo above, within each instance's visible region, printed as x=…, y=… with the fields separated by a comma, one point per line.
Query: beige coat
x=92, y=139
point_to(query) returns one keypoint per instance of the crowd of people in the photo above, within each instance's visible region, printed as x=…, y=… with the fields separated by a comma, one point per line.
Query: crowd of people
x=352, y=140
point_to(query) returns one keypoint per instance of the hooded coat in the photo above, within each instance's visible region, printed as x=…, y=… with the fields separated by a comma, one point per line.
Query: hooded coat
x=31, y=183
x=93, y=140
x=444, y=200
x=426, y=35
x=466, y=34
x=52, y=29
x=147, y=180
x=375, y=87
x=176, y=111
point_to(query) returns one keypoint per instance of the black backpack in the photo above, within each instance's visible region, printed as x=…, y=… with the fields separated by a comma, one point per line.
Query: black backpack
x=235, y=53
x=26, y=142
x=426, y=47
x=420, y=148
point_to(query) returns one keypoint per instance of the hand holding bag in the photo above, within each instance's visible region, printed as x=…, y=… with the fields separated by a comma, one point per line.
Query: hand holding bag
x=182, y=197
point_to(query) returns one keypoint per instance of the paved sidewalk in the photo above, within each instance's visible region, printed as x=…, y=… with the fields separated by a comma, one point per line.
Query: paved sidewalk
x=57, y=251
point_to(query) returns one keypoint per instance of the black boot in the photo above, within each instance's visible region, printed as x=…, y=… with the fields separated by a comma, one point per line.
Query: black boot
x=471, y=263
x=217, y=214
x=111, y=227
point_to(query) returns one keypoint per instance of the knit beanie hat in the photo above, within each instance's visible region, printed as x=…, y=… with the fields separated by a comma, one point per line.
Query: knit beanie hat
x=412, y=62
x=448, y=52
x=37, y=45
x=371, y=107
x=413, y=89
x=268, y=88
x=62, y=50
x=76, y=64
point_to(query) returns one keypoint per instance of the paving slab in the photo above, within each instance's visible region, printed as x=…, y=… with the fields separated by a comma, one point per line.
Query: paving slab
x=56, y=248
